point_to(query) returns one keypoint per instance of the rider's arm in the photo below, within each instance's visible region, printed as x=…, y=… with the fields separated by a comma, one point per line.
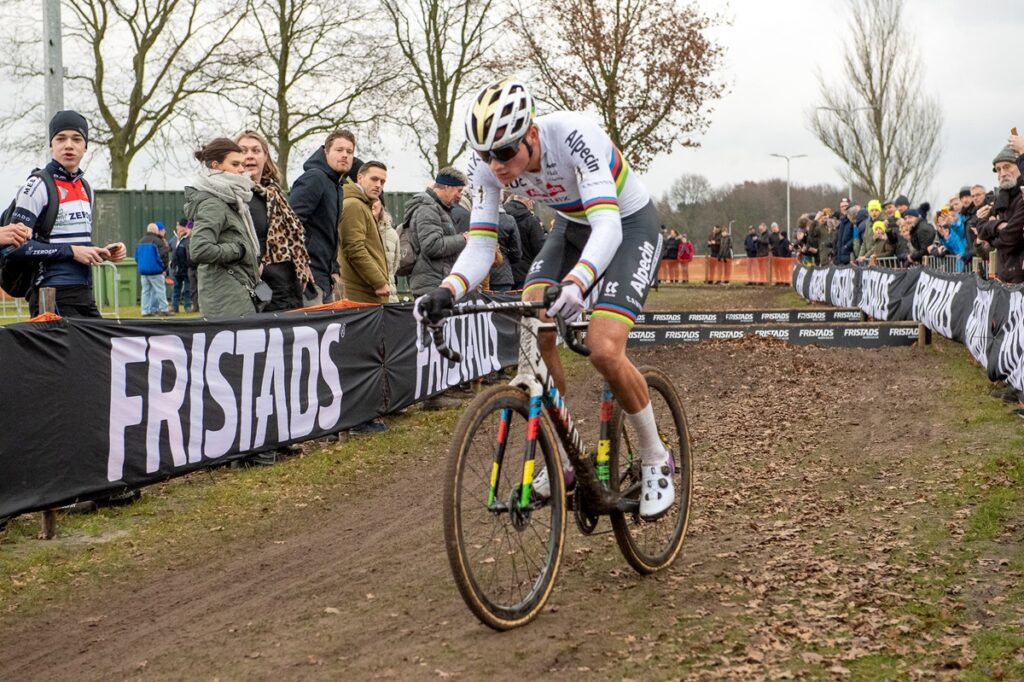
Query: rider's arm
x=474, y=263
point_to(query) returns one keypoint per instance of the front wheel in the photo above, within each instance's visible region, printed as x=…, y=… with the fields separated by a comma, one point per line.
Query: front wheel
x=650, y=546
x=504, y=545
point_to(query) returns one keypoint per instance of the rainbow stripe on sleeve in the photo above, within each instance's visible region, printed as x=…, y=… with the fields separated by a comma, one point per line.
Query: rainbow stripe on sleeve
x=483, y=230
x=620, y=170
x=460, y=283
x=585, y=272
x=615, y=312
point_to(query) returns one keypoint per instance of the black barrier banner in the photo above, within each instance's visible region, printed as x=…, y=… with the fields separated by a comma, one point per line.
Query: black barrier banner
x=1006, y=357
x=888, y=294
x=856, y=336
x=802, y=280
x=783, y=315
x=943, y=302
x=842, y=287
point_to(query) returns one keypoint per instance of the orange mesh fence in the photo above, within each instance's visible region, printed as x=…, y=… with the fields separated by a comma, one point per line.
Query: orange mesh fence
x=765, y=270
x=338, y=305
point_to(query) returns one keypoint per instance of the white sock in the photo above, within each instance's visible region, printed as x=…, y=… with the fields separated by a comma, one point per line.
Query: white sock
x=652, y=451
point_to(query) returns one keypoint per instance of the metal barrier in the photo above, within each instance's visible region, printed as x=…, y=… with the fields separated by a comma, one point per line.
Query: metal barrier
x=946, y=264
x=12, y=308
x=117, y=281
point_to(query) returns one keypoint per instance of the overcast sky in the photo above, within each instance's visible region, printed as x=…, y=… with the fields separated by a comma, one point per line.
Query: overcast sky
x=971, y=52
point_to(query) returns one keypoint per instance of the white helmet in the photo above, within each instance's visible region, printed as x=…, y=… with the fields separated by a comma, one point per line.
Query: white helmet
x=499, y=116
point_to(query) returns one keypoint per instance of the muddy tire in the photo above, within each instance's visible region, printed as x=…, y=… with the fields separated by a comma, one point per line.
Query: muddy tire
x=504, y=557
x=650, y=546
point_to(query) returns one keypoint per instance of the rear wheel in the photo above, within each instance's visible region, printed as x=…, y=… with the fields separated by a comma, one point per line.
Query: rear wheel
x=504, y=555
x=650, y=546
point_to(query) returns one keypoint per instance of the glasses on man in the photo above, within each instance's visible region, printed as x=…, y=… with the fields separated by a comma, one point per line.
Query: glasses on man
x=502, y=154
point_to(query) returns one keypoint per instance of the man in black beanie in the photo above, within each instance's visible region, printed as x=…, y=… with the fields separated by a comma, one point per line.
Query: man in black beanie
x=60, y=253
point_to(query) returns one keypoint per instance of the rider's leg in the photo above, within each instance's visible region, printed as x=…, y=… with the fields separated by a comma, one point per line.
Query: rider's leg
x=547, y=342
x=607, y=340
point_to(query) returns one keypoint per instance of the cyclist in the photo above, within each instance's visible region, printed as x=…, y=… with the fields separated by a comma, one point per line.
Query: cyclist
x=606, y=245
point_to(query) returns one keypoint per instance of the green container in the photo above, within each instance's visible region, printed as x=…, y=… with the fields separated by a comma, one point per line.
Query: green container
x=126, y=284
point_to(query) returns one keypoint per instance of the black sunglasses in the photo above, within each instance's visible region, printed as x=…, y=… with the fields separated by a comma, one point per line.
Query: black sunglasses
x=501, y=154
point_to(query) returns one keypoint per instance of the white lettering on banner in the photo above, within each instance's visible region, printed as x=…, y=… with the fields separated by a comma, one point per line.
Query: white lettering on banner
x=862, y=333
x=703, y=317
x=908, y=332
x=641, y=318
x=683, y=335
x=175, y=369
x=725, y=334
x=813, y=316
x=846, y=315
x=640, y=335
x=817, y=290
x=1010, y=362
x=739, y=317
x=798, y=284
x=842, y=288
x=933, y=303
x=978, y=334
x=874, y=296
x=670, y=318
x=475, y=338
x=816, y=334
x=773, y=333
x=775, y=317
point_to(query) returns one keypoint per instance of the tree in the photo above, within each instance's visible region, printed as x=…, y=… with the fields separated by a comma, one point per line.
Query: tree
x=444, y=47
x=878, y=119
x=645, y=67
x=297, y=83
x=134, y=68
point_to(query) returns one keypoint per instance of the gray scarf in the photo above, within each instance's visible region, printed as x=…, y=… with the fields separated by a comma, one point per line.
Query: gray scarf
x=234, y=190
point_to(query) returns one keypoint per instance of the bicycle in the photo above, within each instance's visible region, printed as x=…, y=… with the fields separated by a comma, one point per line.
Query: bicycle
x=493, y=521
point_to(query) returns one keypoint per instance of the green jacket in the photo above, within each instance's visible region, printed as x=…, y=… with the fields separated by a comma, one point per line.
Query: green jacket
x=823, y=239
x=364, y=267
x=220, y=249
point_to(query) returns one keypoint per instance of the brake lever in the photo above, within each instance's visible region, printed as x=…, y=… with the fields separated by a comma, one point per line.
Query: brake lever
x=551, y=294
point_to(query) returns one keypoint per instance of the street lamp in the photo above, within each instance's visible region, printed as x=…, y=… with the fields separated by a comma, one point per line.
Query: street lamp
x=789, y=227
x=840, y=110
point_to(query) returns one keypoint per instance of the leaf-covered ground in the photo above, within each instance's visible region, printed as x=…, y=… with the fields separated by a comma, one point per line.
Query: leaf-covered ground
x=857, y=515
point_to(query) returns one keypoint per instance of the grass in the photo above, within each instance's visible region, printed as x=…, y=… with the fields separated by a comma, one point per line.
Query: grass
x=9, y=316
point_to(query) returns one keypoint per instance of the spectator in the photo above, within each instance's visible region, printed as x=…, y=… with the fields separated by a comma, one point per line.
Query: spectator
x=725, y=255
x=364, y=267
x=750, y=244
x=948, y=242
x=820, y=238
x=389, y=236
x=181, y=294
x=284, y=261
x=501, y=276
x=685, y=257
x=712, y=259
x=433, y=236
x=670, y=257
x=773, y=238
x=316, y=198
x=922, y=234
x=152, y=256
x=224, y=244
x=880, y=245
x=802, y=244
x=844, y=206
x=866, y=230
x=782, y=248
x=531, y=236
x=1004, y=227
x=889, y=208
x=845, y=233
x=902, y=204
x=63, y=259
x=461, y=211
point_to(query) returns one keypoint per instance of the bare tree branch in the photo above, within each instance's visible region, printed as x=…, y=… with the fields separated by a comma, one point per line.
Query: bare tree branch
x=877, y=119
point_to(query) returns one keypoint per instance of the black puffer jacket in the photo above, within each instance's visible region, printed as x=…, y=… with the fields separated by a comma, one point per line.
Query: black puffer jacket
x=922, y=236
x=531, y=238
x=316, y=198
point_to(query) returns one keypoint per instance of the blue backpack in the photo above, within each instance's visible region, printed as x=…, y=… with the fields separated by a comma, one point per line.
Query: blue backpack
x=148, y=259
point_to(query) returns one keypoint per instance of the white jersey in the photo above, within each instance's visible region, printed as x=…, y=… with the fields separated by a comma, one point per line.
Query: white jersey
x=582, y=176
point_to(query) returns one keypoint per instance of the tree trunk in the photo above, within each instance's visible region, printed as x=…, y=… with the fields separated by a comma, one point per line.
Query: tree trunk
x=119, y=163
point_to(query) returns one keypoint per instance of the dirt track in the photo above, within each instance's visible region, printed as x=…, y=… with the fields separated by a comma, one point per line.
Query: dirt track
x=795, y=563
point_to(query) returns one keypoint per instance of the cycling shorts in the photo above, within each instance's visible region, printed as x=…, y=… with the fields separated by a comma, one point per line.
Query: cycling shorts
x=620, y=292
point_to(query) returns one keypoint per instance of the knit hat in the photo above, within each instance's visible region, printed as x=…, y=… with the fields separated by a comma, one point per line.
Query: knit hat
x=965, y=191
x=874, y=205
x=902, y=200
x=69, y=120
x=1006, y=154
x=878, y=226
x=911, y=212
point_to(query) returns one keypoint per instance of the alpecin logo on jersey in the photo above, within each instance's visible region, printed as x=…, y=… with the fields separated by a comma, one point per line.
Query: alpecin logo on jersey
x=642, y=277
x=578, y=147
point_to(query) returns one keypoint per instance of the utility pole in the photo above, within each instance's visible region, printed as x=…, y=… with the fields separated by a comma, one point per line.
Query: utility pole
x=789, y=227
x=53, y=60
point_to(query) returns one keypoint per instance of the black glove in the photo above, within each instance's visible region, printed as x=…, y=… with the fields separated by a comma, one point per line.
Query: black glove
x=433, y=305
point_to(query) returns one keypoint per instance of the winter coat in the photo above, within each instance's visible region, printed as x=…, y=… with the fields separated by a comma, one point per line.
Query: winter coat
x=685, y=252
x=750, y=244
x=821, y=239
x=181, y=262
x=671, y=251
x=763, y=245
x=782, y=248
x=227, y=264
x=434, y=237
x=531, y=238
x=867, y=238
x=316, y=198
x=1009, y=207
x=508, y=241
x=713, y=242
x=922, y=235
x=724, y=247
x=953, y=244
x=844, y=241
x=162, y=247
x=881, y=248
x=363, y=265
